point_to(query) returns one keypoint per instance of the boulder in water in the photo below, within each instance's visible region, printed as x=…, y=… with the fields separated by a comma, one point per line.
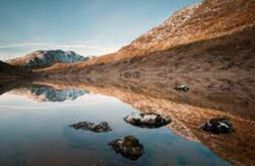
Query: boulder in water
x=147, y=120
x=129, y=147
x=97, y=128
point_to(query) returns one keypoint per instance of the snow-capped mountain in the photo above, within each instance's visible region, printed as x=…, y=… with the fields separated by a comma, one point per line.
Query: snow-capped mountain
x=46, y=58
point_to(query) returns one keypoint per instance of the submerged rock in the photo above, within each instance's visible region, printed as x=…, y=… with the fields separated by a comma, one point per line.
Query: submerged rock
x=183, y=88
x=97, y=128
x=148, y=120
x=218, y=126
x=129, y=147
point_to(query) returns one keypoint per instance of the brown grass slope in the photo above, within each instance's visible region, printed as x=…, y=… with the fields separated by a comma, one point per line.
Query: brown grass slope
x=211, y=51
x=210, y=19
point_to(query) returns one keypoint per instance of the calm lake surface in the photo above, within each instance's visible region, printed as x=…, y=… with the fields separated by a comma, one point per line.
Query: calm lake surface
x=34, y=131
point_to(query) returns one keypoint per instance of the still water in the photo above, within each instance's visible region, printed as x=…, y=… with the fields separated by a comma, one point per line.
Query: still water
x=34, y=131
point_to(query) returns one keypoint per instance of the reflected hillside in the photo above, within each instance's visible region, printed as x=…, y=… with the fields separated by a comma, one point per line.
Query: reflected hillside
x=236, y=147
x=9, y=84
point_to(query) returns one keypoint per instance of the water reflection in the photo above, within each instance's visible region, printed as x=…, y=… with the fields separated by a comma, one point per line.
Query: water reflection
x=44, y=93
x=45, y=138
x=237, y=147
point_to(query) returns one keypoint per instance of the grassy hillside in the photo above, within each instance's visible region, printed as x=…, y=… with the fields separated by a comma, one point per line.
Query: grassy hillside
x=211, y=51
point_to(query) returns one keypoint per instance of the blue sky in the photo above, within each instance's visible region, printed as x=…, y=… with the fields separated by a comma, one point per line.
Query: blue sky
x=85, y=26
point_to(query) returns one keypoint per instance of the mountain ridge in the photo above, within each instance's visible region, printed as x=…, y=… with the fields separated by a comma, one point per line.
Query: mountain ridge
x=46, y=58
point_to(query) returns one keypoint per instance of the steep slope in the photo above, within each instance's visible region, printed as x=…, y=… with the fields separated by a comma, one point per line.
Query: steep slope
x=41, y=59
x=211, y=51
x=210, y=19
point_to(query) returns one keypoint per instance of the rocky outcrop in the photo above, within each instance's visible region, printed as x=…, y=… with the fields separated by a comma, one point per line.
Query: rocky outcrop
x=147, y=120
x=43, y=58
x=129, y=147
x=97, y=128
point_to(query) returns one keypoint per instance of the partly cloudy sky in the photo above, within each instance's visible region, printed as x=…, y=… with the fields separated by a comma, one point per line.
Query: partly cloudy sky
x=89, y=27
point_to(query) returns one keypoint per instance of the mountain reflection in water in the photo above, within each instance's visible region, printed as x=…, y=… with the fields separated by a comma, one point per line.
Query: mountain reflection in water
x=181, y=145
x=46, y=93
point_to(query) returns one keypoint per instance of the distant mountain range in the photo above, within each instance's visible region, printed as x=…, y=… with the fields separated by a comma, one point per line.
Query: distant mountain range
x=46, y=58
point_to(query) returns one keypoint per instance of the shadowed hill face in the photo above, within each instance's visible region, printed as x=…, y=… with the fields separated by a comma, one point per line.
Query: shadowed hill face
x=8, y=71
x=4, y=68
x=41, y=59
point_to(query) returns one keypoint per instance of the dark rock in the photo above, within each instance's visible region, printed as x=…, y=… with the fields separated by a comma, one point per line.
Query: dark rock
x=183, y=88
x=129, y=147
x=97, y=128
x=218, y=126
x=148, y=120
